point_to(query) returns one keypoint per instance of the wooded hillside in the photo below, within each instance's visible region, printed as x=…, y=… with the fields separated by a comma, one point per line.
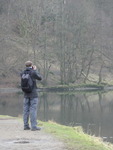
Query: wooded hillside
x=69, y=41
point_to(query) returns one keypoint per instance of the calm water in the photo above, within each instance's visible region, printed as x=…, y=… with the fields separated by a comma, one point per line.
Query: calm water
x=93, y=111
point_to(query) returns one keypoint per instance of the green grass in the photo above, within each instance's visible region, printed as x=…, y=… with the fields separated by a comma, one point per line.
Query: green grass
x=75, y=138
x=5, y=117
x=90, y=85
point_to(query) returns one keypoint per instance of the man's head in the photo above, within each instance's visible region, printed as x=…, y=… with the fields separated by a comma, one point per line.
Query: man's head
x=28, y=64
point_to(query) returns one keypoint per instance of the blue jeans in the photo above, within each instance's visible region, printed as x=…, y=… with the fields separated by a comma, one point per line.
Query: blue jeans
x=30, y=111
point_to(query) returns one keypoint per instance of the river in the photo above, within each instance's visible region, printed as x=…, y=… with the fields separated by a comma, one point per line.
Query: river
x=91, y=110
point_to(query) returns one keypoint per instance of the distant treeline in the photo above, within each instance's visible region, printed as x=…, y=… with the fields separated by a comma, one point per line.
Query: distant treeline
x=69, y=41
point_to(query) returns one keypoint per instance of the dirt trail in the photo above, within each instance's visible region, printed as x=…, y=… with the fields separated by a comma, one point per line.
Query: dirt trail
x=13, y=137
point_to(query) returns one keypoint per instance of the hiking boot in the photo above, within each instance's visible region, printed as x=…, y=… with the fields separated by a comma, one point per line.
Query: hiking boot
x=36, y=128
x=26, y=128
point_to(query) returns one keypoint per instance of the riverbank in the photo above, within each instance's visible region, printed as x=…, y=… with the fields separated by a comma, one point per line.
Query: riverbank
x=64, y=88
x=81, y=87
x=75, y=138
x=52, y=137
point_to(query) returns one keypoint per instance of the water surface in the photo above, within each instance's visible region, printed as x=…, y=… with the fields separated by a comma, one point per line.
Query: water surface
x=91, y=110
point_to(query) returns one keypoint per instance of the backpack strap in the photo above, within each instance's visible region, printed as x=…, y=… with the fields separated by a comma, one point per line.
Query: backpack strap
x=29, y=72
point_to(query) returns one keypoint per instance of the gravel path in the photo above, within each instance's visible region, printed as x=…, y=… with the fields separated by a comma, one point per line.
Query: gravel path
x=13, y=137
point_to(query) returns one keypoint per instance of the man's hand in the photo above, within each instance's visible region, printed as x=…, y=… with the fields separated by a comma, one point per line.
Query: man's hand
x=34, y=67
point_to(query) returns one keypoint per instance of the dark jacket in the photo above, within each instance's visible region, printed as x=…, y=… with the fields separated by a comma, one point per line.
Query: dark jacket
x=35, y=76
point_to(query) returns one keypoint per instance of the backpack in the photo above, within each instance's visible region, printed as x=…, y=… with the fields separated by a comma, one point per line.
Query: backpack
x=26, y=82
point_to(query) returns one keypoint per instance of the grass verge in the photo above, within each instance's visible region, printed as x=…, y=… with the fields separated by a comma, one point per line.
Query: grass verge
x=6, y=117
x=75, y=138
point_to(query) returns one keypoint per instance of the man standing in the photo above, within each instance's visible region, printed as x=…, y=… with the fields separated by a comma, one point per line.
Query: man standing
x=31, y=99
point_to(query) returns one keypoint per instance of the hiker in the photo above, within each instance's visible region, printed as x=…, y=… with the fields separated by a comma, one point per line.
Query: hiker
x=28, y=79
